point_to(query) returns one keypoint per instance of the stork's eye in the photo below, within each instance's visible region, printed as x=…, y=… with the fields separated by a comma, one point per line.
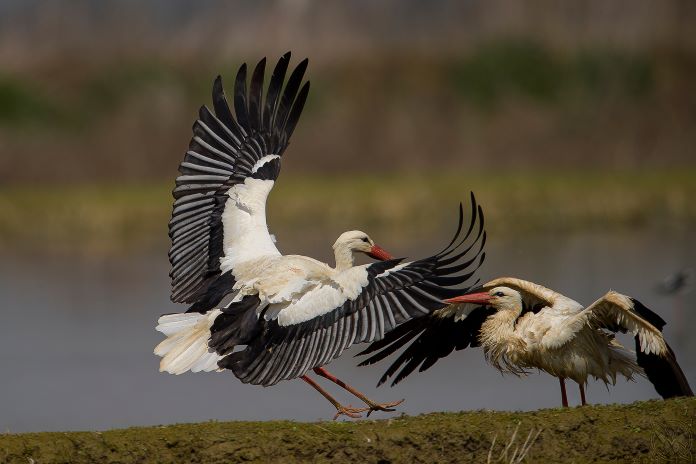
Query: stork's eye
x=499, y=294
x=365, y=239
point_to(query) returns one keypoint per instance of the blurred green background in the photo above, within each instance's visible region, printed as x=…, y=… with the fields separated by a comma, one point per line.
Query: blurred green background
x=565, y=115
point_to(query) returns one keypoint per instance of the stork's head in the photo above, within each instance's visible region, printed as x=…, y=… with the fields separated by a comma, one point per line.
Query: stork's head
x=500, y=298
x=355, y=240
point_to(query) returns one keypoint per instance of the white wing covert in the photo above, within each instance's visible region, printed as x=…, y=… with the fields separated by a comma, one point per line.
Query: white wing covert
x=615, y=312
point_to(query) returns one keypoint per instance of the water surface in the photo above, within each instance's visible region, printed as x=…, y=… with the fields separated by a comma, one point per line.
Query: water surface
x=77, y=336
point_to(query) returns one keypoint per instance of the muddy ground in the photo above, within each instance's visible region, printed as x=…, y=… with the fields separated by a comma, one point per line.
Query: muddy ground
x=652, y=431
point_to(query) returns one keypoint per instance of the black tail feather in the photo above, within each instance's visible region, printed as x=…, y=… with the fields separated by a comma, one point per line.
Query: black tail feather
x=214, y=290
x=237, y=324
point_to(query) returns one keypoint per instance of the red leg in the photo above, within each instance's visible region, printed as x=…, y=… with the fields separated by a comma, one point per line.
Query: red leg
x=582, y=394
x=373, y=406
x=340, y=409
x=564, y=396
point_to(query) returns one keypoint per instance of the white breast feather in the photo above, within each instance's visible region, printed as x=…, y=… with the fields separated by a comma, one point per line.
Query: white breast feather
x=558, y=327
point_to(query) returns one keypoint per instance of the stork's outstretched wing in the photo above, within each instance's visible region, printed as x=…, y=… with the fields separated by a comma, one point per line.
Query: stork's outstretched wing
x=361, y=305
x=436, y=336
x=663, y=371
x=619, y=313
x=614, y=312
x=219, y=216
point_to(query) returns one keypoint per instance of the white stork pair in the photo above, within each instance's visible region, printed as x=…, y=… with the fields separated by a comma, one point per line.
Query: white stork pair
x=269, y=317
x=265, y=316
x=522, y=325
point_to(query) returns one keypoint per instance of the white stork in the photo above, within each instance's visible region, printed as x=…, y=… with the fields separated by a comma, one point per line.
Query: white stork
x=283, y=315
x=522, y=325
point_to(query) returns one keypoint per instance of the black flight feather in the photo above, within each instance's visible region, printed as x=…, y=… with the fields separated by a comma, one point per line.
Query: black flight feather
x=435, y=338
x=255, y=96
x=663, y=372
x=274, y=88
x=240, y=98
x=222, y=109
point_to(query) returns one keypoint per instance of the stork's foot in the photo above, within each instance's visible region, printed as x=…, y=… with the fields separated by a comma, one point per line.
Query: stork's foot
x=386, y=407
x=350, y=411
x=356, y=413
x=371, y=405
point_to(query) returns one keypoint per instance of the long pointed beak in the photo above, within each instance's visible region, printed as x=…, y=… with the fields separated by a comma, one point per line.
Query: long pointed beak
x=476, y=298
x=379, y=253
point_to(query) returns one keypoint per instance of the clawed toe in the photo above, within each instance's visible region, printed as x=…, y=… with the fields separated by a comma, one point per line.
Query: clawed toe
x=350, y=411
x=355, y=413
x=386, y=407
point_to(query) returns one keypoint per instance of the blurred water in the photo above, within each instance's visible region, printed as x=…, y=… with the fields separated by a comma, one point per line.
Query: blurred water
x=77, y=336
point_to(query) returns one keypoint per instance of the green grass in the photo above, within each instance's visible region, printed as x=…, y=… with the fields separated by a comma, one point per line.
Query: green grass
x=652, y=431
x=112, y=218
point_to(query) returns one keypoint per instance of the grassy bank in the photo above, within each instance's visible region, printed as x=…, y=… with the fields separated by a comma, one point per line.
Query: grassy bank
x=653, y=431
x=114, y=218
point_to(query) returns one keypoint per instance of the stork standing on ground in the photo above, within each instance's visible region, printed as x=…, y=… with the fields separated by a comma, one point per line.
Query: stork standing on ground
x=282, y=315
x=522, y=325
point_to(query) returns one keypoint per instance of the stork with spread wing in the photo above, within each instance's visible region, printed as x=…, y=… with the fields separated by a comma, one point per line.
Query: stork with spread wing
x=287, y=314
x=522, y=325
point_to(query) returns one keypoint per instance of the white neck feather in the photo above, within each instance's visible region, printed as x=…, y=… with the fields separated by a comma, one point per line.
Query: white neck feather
x=344, y=257
x=499, y=340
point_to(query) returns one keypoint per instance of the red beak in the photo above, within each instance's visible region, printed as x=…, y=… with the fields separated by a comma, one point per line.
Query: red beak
x=379, y=253
x=476, y=298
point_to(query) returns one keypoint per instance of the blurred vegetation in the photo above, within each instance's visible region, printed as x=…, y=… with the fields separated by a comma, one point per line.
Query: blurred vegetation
x=486, y=76
x=552, y=135
x=116, y=217
x=512, y=103
x=21, y=104
x=526, y=69
x=652, y=431
x=53, y=105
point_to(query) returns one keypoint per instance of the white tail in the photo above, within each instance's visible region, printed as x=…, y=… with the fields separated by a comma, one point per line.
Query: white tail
x=186, y=345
